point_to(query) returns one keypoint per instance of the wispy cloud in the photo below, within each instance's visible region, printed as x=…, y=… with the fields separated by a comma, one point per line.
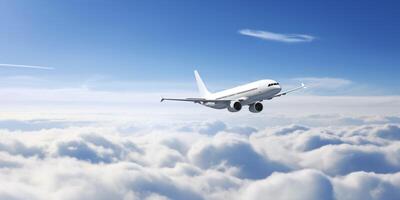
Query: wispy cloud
x=325, y=82
x=26, y=66
x=279, y=37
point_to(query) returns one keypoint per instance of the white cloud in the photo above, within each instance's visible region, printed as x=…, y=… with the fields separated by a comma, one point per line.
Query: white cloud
x=304, y=184
x=279, y=37
x=26, y=66
x=368, y=186
x=127, y=145
x=324, y=83
x=222, y=154
x=101, y=160
x=345, y=158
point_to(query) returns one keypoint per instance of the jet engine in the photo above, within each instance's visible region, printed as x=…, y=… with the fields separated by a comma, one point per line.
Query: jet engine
x=235, y=106
x=256, y=107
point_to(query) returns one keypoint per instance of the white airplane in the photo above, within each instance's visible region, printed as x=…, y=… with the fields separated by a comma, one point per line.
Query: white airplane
x=251, y=94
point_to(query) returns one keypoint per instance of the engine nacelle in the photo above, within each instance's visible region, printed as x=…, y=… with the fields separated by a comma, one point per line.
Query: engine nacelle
x=256, y=107
x=235, y=106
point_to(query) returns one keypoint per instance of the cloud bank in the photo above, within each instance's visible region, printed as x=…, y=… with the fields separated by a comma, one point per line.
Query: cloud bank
x=278, y=37
x=64, y=159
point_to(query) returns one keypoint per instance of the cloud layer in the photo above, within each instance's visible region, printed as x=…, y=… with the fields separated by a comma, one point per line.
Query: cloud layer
x=278, y=37
x=199, y=160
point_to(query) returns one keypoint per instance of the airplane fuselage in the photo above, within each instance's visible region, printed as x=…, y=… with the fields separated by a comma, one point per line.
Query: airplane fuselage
x=247, y=94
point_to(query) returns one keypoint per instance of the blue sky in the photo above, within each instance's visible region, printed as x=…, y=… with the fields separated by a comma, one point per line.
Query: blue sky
x=96, y=127
x=148, y=41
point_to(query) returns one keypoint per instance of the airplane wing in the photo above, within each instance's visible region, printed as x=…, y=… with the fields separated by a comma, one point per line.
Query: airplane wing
x=195, y=100
x=292, y=90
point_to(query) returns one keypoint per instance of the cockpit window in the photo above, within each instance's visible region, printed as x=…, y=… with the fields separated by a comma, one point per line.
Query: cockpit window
x=271, y=84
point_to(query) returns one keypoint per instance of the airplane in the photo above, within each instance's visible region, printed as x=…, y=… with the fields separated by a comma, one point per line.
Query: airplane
x=251, y=94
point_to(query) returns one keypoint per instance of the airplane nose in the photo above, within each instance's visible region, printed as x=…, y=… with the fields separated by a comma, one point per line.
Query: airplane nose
x=278, y=88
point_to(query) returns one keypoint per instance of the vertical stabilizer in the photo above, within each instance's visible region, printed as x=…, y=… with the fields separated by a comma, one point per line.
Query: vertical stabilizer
x=200, y=84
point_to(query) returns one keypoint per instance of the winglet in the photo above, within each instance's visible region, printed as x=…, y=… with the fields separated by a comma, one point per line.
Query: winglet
x=162, y=99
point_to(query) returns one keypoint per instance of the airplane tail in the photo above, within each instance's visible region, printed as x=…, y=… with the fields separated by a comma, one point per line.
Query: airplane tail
x=200, y=84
